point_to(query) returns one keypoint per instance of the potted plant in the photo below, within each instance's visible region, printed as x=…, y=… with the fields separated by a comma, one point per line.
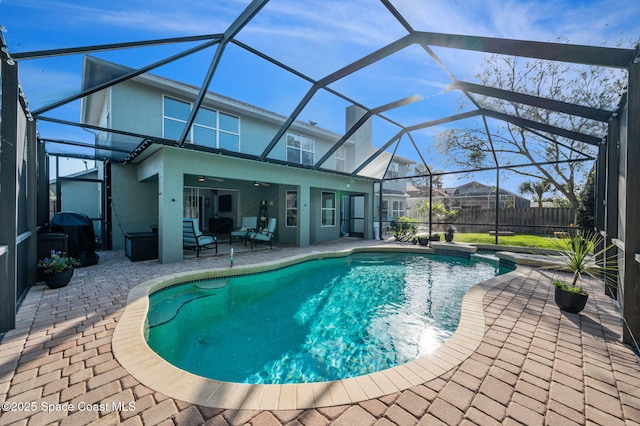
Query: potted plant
x=423, y=239
x=434, y=237
x=57, y=269
x=578, y=258
x=448, y=236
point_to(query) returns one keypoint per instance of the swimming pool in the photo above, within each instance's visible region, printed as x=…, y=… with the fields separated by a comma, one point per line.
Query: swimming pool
x=317, y=321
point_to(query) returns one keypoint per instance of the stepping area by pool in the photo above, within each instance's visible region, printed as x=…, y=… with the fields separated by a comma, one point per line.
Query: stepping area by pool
x=532, y=364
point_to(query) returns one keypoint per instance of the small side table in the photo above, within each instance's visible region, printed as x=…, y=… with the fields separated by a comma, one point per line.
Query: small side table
x=141, y=245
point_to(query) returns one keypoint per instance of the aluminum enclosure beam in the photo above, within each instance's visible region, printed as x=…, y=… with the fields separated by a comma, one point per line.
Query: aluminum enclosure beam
x=247, y=14
x=523, y=122
x=368, y=114
x=128, y=76
x=114, y=46
x=343, y=72
x=587, y=55
x=536, y=101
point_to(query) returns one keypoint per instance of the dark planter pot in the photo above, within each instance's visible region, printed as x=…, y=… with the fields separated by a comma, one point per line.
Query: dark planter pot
x=570, y=302
x=59, y=279
x=434, y=238
x=448, y=237
x=423, y=241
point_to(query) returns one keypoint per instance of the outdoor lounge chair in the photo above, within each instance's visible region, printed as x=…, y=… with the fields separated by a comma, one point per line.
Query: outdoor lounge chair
x=193, y=239
x=264, y=236
x=247, y=225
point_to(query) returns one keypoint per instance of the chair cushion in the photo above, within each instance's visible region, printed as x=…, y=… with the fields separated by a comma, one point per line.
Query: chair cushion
x=205, y=239
x=262, y=237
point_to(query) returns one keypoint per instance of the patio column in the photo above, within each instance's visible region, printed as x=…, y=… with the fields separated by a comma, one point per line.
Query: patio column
x=32, y=202
x=631, y=297
x=610, y=172
x=8, y=197
x=170, y=186
x=304, y=215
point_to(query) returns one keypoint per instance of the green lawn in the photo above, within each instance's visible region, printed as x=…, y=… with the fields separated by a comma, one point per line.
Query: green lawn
x=539, y=241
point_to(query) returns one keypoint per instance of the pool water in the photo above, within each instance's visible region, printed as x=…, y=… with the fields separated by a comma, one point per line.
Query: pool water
x=316, y=321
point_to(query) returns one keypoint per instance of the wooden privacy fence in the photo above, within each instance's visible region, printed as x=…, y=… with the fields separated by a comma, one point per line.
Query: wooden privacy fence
x=532, y=220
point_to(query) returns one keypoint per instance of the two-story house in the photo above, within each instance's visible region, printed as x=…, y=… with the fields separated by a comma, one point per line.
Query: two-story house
x=222, y=173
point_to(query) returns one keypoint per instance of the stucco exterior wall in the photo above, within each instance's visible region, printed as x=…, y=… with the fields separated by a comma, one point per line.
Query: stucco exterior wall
x=169, y=166
x=134, y=203
x=139, y=108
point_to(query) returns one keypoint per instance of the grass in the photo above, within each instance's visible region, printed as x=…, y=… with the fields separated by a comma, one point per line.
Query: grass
x=539, y=241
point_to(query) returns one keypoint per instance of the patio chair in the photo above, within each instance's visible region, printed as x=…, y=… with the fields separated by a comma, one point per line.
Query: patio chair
x=194, y=239
x=248, y=224
x=264, y=236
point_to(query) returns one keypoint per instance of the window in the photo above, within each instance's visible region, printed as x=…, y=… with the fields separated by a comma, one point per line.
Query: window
x=392, y=171
x=228, y=132
x=385, y=210
x=300, y=149
x=341, y=159
x=210, y=128
x=175, y=117
x=398, y=209
x=328, y=209
x=292, y=208
x=204, y=128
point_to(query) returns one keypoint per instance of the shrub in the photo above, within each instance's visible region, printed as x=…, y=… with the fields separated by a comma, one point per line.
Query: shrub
x=404, y=228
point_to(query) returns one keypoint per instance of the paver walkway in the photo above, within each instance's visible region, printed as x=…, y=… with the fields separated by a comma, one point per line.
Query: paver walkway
x=535, y=365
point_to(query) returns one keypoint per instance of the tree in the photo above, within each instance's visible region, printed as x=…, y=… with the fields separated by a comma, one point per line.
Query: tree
x=590, y=86
x=585, y=216
x=536, y=190
x=421, y=179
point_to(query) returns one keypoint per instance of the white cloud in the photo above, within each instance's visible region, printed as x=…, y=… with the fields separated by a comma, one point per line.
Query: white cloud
x=540, y=20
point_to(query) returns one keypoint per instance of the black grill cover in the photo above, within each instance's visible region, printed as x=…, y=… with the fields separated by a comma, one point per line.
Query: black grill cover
x=82, y=239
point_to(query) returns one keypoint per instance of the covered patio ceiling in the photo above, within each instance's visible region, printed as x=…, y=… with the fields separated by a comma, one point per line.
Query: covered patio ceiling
x=404, y=118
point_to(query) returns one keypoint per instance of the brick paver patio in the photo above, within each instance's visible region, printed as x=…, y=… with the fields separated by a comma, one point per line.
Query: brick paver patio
x=535, y=364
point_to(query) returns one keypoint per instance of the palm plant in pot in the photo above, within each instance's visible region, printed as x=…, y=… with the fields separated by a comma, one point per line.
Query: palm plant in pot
x=578, y=257
x=58, y=269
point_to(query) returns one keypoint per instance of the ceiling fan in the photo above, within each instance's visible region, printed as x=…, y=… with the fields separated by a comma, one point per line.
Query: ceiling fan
x=209, y=178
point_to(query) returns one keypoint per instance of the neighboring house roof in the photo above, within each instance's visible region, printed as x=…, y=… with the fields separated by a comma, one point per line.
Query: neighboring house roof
x=467, y=190
x=476, y=189
x=80, y=174
x=416, y=192
x=393, y=192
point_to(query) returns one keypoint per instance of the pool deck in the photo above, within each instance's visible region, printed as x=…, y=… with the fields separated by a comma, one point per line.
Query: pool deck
x=533, y=365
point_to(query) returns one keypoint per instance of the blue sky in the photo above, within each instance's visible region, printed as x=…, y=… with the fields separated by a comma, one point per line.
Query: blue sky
x=315, y=37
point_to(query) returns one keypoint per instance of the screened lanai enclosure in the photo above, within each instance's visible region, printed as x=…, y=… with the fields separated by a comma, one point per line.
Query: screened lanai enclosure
x=237, y=110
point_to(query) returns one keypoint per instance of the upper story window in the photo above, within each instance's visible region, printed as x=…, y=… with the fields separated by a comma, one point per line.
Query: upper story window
x=210, y=128
x=341, y=159
x=300, y=149
x=392, y=171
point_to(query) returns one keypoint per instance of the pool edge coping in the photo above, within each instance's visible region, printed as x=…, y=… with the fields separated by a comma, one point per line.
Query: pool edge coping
x=131, y=350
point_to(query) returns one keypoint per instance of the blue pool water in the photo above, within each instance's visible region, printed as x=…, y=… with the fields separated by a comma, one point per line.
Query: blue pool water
x=316, y=321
